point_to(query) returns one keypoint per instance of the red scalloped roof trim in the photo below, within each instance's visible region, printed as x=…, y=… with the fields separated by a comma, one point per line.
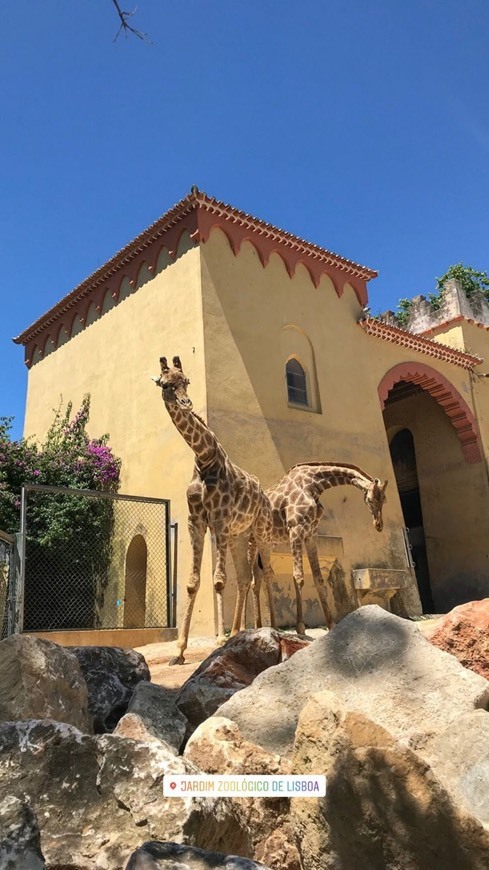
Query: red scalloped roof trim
x=418, y=343
x=447, y=396
x=197, y=214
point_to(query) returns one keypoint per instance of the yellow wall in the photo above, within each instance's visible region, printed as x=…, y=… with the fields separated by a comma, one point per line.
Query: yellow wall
x=113, y=359
x=247, y=310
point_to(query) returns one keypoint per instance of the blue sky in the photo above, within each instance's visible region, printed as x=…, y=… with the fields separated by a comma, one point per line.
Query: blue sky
x=361, y=125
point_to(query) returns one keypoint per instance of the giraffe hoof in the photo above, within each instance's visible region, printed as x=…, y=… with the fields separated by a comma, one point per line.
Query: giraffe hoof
x=177, y=660
x=301, y=629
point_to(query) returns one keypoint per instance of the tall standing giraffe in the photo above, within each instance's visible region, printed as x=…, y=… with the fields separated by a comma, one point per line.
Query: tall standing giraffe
x=221, y=497
x=296, y=512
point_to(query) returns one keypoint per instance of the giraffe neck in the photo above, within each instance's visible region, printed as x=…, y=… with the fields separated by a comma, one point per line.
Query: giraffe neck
x=325, y=476
x=197, y=434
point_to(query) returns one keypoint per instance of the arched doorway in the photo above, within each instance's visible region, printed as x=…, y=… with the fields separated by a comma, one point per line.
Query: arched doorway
x=404, y=462
x=135, y=583
x=437, y=459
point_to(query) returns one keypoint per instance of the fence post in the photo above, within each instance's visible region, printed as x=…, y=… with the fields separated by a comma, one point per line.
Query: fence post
x=174, y=576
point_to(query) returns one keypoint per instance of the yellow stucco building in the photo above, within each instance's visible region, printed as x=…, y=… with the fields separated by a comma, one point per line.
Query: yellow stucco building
x=285, y=366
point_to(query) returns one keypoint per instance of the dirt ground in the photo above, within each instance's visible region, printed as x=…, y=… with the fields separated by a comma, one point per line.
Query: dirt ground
x=158, y=655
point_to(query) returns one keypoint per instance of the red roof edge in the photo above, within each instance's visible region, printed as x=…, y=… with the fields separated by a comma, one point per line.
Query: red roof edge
x=194, y=201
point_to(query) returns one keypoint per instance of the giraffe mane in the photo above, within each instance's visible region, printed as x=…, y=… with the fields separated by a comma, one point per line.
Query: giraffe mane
x=333, y=465
x=201, y=420
x=219, y=447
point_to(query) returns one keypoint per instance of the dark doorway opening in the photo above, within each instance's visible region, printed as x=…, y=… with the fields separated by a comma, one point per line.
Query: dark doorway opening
x=404, y=462
x=135, y=587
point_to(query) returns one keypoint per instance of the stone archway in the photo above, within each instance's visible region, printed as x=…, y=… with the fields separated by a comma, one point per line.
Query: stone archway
x=135, y=583
x=447, y=396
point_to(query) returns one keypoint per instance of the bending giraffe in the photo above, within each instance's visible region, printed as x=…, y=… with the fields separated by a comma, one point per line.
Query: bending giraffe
x=221, y=497
x=296, y=515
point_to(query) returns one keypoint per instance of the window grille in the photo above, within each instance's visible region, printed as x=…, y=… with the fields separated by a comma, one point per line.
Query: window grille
x=296, y=383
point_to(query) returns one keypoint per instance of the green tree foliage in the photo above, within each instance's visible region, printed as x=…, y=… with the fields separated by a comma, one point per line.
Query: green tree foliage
x=471, y=279
x=403, y=311
x=68, y=546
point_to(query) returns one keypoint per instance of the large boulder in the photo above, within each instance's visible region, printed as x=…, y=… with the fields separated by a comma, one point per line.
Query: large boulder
x=154, y=708
x=230, y=668
x=217, y=746
x=376, y=663
x=41, y=680
x=464, y=632
x=111, y=674
x=385, y=807
x=173, y=856
x=20, y=843
x=94, y=796
x=460, y=758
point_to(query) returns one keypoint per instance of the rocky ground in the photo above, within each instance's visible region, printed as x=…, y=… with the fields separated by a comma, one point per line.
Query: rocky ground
x=394, y=713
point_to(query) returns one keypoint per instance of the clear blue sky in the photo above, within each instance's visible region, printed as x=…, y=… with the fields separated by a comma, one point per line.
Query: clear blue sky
x=361, y=125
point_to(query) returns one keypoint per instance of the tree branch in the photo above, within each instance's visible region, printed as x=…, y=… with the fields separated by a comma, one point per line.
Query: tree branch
x=124, y=25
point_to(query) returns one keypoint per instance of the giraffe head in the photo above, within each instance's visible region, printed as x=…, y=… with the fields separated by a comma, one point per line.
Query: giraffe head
x=374, y=499
x=174, y=384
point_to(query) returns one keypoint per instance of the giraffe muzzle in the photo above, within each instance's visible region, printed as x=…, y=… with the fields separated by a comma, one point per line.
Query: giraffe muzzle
x=184, y=402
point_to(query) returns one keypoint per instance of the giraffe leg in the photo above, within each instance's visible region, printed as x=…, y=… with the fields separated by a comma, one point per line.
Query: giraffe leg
x=239, y=547
x=197, y=529
x=243, y=615
x=220, y=577
x=296, y=539
x=268, y=575
x=256, y=581
x=251, y=556
x=312, y=555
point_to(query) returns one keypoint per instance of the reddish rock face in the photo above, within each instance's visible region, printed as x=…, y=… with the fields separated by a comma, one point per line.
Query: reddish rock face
x=464, y=632
x=230, y=668
x=290, y=645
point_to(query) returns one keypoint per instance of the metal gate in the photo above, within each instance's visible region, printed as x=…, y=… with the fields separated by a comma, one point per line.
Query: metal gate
x=93, y=560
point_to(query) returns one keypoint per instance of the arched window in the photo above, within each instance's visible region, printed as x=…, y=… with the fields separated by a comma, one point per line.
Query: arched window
x=296, y=383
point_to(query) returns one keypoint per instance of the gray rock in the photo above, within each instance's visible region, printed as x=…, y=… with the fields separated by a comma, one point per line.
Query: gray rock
x=385, y=808
x=227, y=670
x=41, y=680
x=111, y=674
x=374, y=662
x=94, y=797
x=156, y=708
x=173, y=856
x=20, y=845
x=460, y=758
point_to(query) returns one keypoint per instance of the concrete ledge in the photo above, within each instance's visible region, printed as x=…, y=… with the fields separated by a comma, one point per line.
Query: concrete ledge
x=381, y=579
x=124, y=637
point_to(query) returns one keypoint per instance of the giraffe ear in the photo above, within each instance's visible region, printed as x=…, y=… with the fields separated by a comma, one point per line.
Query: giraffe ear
x=177, y=363
x=163, y=364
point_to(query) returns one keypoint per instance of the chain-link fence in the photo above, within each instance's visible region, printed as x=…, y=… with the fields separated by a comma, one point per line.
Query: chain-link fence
x=93, y=560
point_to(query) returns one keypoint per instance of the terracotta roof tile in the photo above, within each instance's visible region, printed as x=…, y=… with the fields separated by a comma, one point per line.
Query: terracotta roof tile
x=418, y=343
x=196, y=201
